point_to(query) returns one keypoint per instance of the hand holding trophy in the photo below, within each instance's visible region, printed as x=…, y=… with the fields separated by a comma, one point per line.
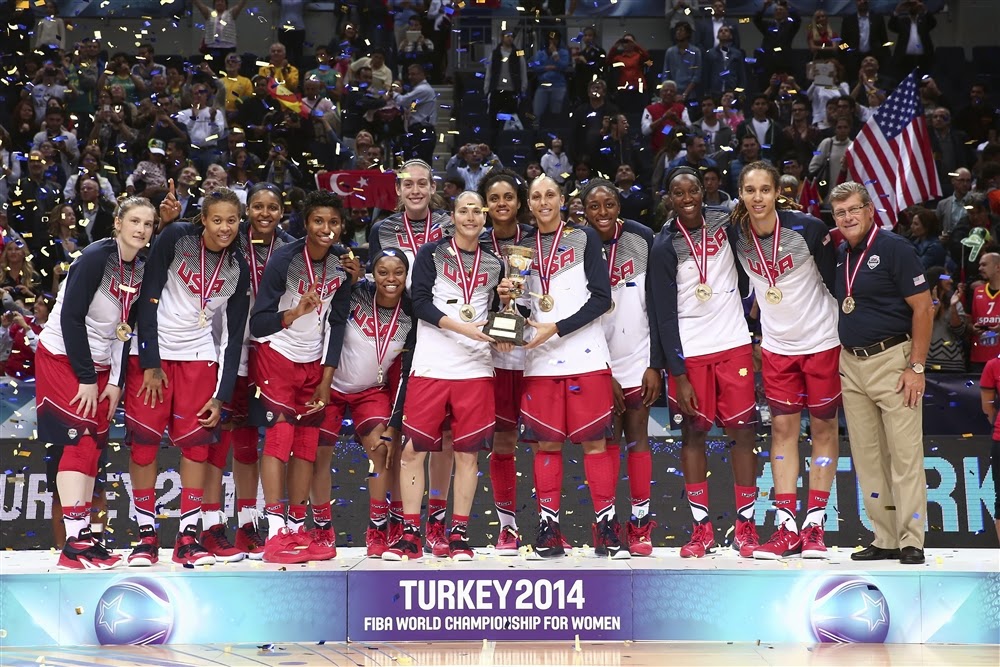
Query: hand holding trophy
x=507, y=325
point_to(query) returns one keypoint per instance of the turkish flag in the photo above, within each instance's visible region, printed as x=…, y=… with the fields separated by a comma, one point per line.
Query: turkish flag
x=810, y=199
x=361, y=188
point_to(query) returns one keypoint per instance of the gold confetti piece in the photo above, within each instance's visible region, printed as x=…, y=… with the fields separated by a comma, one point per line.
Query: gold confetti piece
x=79, y=611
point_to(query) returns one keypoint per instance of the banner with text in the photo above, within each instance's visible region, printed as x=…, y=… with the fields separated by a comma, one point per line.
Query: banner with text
x=510, y=604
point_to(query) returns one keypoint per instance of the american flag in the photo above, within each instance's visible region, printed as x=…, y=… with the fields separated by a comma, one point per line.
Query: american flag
x=892, y=155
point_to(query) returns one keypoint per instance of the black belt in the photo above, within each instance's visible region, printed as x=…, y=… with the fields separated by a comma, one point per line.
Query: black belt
x=872, y=350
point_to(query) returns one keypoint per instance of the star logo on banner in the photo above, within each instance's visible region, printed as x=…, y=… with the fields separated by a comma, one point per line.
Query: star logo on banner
x=111, y=614
x=362, y=182
x=872, y=613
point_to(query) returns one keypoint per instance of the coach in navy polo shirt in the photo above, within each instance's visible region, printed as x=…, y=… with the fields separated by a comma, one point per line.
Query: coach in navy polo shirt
x=886, y=317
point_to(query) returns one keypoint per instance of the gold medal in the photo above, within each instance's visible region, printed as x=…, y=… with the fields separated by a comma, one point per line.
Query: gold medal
x=703, y=292
x=772, y=295
x=612, y=308
x=380, y=378
x=546, y=303
x=123, y=331
x=849, y=305
x=203, y=318
x=467, y=312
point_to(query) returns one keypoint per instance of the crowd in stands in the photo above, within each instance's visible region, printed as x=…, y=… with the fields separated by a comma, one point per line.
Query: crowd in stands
x=83, y=125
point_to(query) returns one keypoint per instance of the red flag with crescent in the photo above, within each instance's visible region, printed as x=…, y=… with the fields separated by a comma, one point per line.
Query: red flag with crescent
x=361, y=188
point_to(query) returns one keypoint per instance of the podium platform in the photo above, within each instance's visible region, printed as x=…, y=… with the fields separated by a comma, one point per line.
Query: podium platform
x=953, y=598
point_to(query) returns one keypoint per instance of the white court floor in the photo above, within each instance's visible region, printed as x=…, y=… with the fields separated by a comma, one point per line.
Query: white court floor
x=528, y=654
x=348, y=558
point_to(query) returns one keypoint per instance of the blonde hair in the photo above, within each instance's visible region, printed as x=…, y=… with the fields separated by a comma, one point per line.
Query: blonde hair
x=26, y=276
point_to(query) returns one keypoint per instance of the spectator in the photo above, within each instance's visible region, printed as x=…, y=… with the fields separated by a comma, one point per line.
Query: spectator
x=95, y=217
x=205, y=126
x=950, y=147
x=575, y=213
x=977, y=215
x=713, y=196
x=925, y=228
x=588, y=64
x=979, y=119
x=719, y=137
x=672, y=148
x=327, y=72
x=914, y=47
x=725, y=64
x=185, y=189
x=233, y=88
x=47, y=83
x=931, y=97
x=588, y=120
x=788, y=187
x=635, y=201
x=792, y=166
x=420, y=108
x=695, y=157
x=619, y=147
x=439, y=14
x=255, y=116
x=415, y=48
x=683, y=62
x=627, y=67
x=821, y=37
x=551, y=66
x=730, y=110
x=37, y=196
x=506, y=80
x=829, y=85
x=64, y=141
x=279, y=69
x=315, y=103
x=581, y=174
x=951, y=209
x=220, y=27
x=111, y=134
x=533, y=170
x=473, y=172
x=150, y=175
x=348, y=42
x=800, y=136
x=951, y=324
x=402, y=12
x=660, y=118
x=359, y=103
x=292, y=28
x=23, y=338
x=555, y=162
x=863, y=34
x=828, y=165
x=451, y=188
x=23, y=127
x=749, y=152
x=50, y=31
x=65, y=240
x=381, y=74
x=775, y=52
x=767, y=131
x=145, y=64
x=707, y=28
x=119, y=73
x=18, y=276
x=871, y=89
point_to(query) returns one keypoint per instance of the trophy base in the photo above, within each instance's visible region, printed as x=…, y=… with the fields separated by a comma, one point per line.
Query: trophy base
x=504, y=327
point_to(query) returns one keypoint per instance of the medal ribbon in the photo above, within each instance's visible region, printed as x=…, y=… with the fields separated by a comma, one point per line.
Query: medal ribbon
x=411, y=237
x=468, y=284
x=545, y=272
x=496, y=243
x=206, y=291
x=382, y=345
x=849, y=275
x=312, y=279
x=126, y=295
x=774, y=252
x=254, y=280
x=613, y=251
x=702, y=262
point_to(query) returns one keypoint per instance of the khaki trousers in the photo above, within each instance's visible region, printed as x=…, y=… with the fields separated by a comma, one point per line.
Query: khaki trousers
x=887, y=445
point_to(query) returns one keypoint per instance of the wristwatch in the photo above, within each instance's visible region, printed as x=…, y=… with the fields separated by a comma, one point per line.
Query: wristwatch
x=917, y=368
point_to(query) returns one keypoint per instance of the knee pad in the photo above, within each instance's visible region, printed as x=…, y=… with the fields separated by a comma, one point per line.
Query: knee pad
x=144, y=455
x=81, y=457
x=245, y=446
x=195, y=453
x=305, y=442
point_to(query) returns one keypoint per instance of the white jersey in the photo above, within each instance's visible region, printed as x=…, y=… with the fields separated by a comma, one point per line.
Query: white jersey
x=805, y=320
x=394, y=233
x=359, y=364
x=581, y=293
x=626, y=327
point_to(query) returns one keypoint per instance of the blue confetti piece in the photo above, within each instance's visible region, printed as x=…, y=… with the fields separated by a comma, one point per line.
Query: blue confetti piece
x=874, y=495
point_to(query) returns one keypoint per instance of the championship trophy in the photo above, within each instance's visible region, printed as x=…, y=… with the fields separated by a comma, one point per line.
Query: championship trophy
x=507, y=326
